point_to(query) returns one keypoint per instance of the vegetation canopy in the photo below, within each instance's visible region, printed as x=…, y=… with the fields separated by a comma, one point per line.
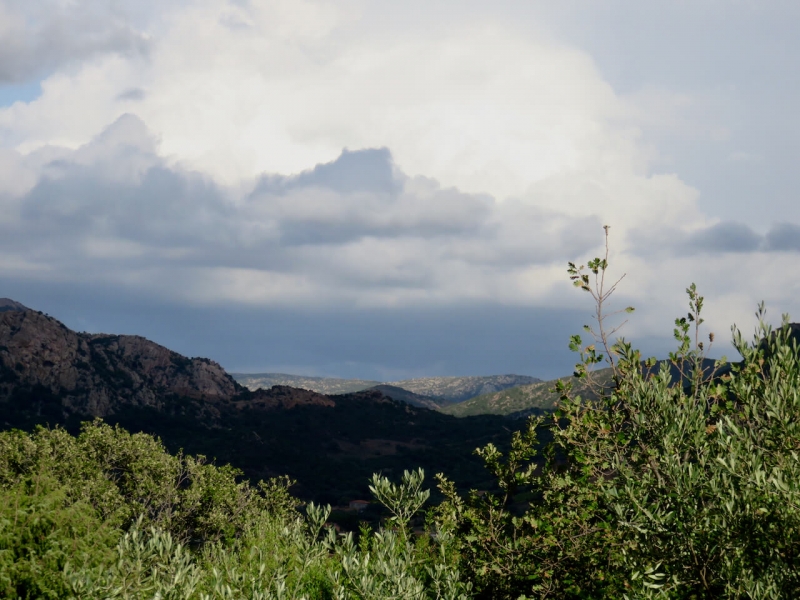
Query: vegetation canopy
x=642, y=484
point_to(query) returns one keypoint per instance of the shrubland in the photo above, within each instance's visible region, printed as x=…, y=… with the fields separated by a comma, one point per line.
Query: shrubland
x=650, y=486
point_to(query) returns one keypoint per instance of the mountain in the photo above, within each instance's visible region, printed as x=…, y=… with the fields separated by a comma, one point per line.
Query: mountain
x=536, y=398
x=330, y=444
x=403, y=395
x=45, y=368
x=459, y=389
x=438, y=390
x=6, y=304
x=323, y=385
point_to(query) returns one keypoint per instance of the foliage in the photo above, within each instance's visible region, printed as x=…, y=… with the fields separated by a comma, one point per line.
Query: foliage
x=654, y=488
x=40, y=531
x=110, y=515
x=127, y=476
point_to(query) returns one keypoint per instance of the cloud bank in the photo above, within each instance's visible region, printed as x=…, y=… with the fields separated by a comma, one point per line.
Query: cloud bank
x=300, y=155
x=356, y=230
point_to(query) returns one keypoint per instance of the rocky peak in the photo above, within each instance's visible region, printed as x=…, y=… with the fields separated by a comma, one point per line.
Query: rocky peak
x=7, y=304
x=49, y=372
x=94, y=374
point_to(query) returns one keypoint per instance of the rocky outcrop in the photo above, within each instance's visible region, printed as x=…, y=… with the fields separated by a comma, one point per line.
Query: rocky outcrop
x=95, y=374
x=7, y=304
x=48, y=371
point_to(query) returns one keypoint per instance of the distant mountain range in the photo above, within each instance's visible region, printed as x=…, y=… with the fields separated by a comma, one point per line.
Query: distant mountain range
x=322, y=385
x=430, y=392
x=536, y=398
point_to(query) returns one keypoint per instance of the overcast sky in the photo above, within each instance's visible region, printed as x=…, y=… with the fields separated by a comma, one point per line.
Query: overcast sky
x=386, y=189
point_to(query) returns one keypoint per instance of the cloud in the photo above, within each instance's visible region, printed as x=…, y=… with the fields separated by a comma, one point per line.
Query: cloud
x=726, y=237
x=478, y=106
x=132, y=94
x=192, y=152
x=783, y=237
x=38, y=37
x=354, y=230
x=723, y=237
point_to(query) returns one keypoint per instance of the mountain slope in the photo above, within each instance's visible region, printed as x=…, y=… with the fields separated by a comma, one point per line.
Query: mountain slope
x=458, y=389
x=322, y=385
x=514, y=402
x=330, y=444
x=45, y=363
x=403, y=395
x=535, y=398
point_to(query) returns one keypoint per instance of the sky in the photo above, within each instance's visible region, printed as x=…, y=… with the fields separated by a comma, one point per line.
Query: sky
x=383, y=190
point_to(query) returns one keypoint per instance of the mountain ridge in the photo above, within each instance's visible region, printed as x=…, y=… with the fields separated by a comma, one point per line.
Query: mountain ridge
x=439, y=391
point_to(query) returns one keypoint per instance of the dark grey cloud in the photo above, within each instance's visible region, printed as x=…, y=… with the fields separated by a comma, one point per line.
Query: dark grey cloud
x=132, y=94
x=360, y=171
x=362, y=194
x=381, y=344
x=45, y=35
x=722, y=238
x=783, y=237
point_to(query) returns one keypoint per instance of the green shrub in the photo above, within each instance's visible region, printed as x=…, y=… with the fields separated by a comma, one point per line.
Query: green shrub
x=654, y=488
x=108, y=514
x=40, y=531
x=125, y=477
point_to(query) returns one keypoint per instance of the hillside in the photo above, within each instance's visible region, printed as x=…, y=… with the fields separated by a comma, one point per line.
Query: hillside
x=322, y=385
x=518, y=401
x=439, y=390
x=459, y=389
x=48, y=370
x=403, y=395
x=330, y=444
x=524, y=400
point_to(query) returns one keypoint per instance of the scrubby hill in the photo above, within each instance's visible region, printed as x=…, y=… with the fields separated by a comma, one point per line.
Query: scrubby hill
x=535, y=398
x=322, y=385
x=440, y=390
x=516, y=401
x=403, y=395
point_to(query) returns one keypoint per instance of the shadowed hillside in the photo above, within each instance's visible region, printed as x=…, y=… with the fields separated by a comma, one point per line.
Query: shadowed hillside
x=331, y=444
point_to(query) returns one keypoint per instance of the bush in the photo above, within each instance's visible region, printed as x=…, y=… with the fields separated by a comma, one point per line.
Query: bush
x=108, y=514
x=653, y=487
x=40, y=531
x=125, y=477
